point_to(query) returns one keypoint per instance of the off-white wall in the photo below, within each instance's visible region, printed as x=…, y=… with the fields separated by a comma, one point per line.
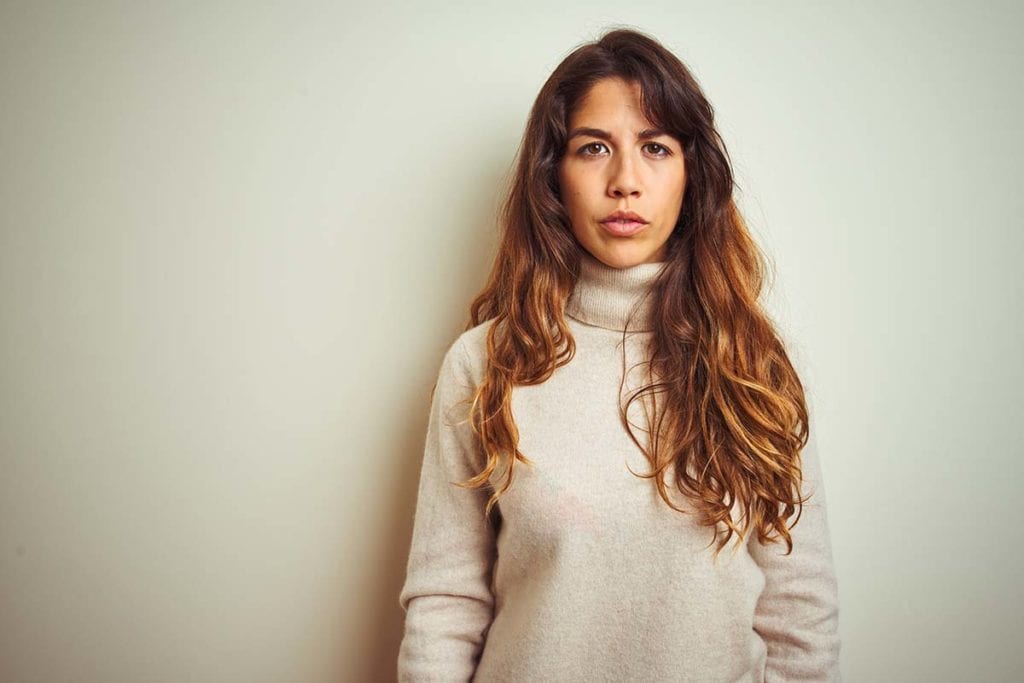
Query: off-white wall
x=235, y=239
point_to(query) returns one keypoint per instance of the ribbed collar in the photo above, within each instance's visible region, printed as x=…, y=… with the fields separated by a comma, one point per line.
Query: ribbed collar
x=606, y=296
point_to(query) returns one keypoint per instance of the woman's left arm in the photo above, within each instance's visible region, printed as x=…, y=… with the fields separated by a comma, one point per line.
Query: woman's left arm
x=797, y=615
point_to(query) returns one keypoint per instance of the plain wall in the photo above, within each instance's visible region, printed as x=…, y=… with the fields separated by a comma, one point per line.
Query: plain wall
x=236, y=238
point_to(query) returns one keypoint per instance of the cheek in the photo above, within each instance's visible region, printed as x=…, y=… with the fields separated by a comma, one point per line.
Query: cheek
x=567, y=190
x=674, y=188
x=572, y=194
x=587, y=185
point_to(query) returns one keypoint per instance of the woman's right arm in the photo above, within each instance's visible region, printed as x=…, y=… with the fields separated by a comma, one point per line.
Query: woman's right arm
x=447, y=596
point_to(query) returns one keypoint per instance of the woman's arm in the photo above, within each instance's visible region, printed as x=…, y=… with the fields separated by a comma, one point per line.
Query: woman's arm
x=798, y=612
x=447, y=596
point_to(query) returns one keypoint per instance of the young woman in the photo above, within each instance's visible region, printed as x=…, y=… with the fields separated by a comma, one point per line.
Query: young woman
x=619, y=409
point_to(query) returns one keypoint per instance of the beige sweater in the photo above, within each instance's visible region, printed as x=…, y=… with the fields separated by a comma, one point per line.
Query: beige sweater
x=592, y=577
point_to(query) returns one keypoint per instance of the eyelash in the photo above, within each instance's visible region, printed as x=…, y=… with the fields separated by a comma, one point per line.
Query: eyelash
x=665, y=153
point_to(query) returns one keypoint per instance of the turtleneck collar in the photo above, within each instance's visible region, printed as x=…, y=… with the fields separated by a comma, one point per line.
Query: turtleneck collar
x=605, y=296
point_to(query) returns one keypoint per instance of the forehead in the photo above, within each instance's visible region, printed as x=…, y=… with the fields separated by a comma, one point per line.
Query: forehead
x=609, y=101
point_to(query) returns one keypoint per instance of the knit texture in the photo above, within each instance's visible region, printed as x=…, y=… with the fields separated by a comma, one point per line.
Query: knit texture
x=590, y=575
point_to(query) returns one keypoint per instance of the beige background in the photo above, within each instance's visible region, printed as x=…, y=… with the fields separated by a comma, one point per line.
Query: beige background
x=235, y=239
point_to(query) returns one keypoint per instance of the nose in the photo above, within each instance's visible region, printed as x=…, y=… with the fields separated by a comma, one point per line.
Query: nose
x=623, y=181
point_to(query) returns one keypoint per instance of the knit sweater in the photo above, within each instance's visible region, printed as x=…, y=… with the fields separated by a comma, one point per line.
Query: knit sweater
x=590, y=575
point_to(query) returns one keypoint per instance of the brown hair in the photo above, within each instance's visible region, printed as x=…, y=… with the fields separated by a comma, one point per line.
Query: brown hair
x=732, y=405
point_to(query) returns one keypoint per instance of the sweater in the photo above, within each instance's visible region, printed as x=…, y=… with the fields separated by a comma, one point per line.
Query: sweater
x=590, y=575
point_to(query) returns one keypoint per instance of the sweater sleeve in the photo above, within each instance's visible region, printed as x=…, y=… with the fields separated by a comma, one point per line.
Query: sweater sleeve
x=447, y=595
x=797, y=615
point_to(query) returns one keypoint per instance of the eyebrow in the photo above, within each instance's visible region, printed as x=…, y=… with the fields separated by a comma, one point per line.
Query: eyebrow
x=605, y=135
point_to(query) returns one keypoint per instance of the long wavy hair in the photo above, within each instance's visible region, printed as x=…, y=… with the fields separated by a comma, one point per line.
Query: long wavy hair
x=732, y=407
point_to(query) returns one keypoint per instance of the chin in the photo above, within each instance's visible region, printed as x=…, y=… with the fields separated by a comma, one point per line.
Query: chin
x=624, y=255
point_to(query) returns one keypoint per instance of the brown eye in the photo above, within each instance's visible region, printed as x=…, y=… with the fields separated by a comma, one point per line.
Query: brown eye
x=663, y=150
x=589, y=146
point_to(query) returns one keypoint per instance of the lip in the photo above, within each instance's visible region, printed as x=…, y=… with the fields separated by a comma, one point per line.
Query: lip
x=623, y=228
x=624, y=216
x=623, y=223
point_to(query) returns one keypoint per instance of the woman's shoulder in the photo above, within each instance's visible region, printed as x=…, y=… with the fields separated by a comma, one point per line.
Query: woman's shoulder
x=465, y=358
x=471, y=347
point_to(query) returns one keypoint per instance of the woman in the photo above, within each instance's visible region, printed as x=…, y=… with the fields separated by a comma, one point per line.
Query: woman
x=618, y=405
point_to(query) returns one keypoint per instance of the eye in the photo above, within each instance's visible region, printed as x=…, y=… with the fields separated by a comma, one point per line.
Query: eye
x=594, y=149
x=588, y=146
x=664, y=151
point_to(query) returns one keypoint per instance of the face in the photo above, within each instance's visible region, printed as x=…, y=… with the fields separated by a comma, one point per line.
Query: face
x=616, y=160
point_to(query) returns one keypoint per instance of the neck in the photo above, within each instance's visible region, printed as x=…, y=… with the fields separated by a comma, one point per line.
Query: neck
x=613, y=298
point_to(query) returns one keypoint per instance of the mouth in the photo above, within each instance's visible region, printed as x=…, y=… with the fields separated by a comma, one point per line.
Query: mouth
x=623, y=227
